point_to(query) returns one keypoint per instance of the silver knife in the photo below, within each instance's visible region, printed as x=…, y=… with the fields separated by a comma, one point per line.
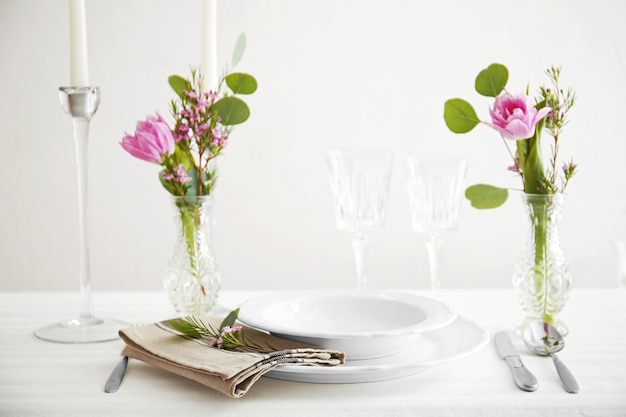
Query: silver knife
x=115, y=379
x=522, y=376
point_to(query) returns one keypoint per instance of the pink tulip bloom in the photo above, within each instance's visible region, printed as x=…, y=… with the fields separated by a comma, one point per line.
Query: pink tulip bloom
x=153, y=140
x=515, y=117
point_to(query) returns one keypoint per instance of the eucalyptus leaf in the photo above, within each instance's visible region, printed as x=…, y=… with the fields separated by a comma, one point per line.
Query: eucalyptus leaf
x=459, y=115
x=491, y=81
x=484, y=196
x=178, y=84
x=231, y=110
x=230, y=319
x=241, y=83
x=192, y=190
x=240, y=47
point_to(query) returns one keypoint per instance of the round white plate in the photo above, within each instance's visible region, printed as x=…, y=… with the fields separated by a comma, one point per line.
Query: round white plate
x=363, y=324
x=435, y=347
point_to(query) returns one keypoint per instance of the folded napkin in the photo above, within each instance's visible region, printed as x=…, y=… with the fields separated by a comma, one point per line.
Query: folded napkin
x=230, y=372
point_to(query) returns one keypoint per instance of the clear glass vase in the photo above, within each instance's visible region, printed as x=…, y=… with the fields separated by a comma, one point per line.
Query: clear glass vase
x=542, y=277
x=192, y=280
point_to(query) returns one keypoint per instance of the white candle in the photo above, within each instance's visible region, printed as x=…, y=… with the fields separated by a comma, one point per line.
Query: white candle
x=208, y=67
x=78, y=44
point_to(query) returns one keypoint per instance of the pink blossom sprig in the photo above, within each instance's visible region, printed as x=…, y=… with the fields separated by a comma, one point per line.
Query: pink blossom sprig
x=199, y=135
x=229, y=338
x=559, y=102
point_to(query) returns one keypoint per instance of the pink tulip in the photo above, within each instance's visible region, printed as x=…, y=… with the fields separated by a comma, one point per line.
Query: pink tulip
x=515, y=117
x=152, y=140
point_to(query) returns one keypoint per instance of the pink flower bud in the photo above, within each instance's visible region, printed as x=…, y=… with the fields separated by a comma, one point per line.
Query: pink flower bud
x=153, y=140
x=515, y=117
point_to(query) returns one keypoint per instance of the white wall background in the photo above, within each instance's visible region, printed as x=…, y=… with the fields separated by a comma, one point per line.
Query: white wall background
x=332, y=74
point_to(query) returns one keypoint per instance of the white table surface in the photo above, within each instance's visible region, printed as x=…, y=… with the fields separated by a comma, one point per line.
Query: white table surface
x=40, y=378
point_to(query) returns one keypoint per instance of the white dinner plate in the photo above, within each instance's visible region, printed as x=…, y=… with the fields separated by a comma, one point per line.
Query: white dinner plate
x=435, y=347
x=363, y=324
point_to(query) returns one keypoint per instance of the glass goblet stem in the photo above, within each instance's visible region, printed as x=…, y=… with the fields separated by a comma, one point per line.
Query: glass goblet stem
x=433, y=246
x=361, y=245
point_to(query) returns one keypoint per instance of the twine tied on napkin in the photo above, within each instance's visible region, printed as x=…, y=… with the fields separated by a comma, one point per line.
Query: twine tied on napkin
x=230, y=372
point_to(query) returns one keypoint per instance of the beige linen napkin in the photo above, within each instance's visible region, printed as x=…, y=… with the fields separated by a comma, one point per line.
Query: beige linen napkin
x=230, y=372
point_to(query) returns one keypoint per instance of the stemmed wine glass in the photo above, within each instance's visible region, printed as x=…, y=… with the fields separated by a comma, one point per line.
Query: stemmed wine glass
x=360, y=184
x=435, y=189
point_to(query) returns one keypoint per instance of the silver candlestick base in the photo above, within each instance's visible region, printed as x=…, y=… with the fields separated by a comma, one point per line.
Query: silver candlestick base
x=81, y=104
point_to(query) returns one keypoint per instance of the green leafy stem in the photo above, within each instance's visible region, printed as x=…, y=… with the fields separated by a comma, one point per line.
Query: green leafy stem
x=227, y=336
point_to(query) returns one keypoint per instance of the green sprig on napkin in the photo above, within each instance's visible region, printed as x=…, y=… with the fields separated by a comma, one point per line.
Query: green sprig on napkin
x=226, y=336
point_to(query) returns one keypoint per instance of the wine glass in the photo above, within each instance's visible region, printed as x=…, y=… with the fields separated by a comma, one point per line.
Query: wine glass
x=359, y=181
x=435, y=188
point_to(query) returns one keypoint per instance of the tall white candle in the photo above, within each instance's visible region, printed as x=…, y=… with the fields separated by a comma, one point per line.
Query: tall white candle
x=209, y=44
x=78, y=44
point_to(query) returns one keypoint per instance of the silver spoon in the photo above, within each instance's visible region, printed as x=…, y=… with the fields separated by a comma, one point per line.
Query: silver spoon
x=543, y=339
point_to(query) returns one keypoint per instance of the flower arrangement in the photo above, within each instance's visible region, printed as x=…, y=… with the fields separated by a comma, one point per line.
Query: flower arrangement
x=204, y=117
x=203, y=122
x=541, y=276
x=519, y=120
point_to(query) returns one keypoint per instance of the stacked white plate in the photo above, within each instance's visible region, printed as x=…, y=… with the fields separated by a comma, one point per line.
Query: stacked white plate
x=385, y=335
